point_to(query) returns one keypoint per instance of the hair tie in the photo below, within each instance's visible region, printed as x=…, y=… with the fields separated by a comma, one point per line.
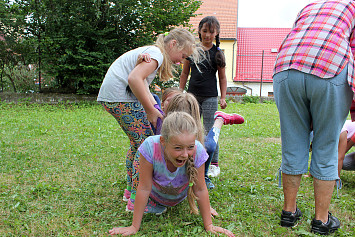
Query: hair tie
x=218, y=48
x=191, y=184
x=166, y=33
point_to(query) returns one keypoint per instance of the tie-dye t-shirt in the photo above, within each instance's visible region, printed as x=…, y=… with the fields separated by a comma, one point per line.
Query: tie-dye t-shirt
x=169, y=188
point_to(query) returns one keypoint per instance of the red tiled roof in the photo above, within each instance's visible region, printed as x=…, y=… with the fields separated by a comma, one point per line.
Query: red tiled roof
x=226, y=12
x=251, y=42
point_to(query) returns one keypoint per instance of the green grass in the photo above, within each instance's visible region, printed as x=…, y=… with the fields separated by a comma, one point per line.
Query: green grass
x=62, y=173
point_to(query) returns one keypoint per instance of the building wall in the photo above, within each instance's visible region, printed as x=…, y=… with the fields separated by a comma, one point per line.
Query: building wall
x=229, y=48
x=254, y=88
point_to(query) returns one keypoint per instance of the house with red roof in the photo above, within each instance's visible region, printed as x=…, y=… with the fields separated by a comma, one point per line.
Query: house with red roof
x=256, y=53
x=250, y=52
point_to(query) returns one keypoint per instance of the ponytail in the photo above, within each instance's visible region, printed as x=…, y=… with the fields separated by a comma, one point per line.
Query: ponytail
x=165, y=71
x=220, y=59
x=185, y=40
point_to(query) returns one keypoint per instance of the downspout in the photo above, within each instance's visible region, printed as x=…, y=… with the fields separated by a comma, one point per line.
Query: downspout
x=251, y=89
x=233, y=58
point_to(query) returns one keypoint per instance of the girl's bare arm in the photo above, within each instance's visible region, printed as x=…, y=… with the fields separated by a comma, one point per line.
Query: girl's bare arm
x=143, y=191
x=200, y=190
x=184, y=74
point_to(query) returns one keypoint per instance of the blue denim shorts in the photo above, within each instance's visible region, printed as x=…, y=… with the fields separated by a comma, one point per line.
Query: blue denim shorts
x=304, y=99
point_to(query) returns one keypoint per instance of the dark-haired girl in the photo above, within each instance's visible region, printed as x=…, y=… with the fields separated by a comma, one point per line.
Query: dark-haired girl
x=203, y=80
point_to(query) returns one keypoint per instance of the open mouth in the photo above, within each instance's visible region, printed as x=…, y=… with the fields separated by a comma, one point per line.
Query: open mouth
x=180, y=162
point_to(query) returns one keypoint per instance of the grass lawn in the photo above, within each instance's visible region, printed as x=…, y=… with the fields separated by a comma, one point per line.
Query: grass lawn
x=62, y=173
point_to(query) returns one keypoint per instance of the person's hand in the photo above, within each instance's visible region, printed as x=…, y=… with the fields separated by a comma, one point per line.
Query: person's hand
x=124, y=231
x=153, y=117
x=215, y=229
x=213, y=212
x=143, y=57
x=223, y=103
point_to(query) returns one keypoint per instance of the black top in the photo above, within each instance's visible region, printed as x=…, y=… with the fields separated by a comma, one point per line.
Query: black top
x=204, y=82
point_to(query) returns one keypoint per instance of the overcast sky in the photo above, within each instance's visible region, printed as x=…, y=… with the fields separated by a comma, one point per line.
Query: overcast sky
x=269, y=13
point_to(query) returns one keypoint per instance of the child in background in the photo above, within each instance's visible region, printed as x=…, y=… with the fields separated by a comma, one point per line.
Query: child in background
x=125, y=93
x=171, y=169
x=168, y=94
x=203, y=80
x=346, y=142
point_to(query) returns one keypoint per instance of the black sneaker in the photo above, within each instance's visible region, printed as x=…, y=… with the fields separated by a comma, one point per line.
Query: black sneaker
x=325, y=228
x=289, y=219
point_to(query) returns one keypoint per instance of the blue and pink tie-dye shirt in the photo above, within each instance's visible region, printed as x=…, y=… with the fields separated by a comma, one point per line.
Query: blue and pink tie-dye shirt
x=169, y=188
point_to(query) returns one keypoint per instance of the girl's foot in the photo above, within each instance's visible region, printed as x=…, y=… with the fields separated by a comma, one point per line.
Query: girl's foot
x=213, y=171
x=229, y=118
x=152, y=207
x=209, y=184
x=126, y=195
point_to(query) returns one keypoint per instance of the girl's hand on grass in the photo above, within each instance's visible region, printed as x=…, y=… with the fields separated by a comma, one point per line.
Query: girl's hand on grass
x=216, y=229
x=213, y=212
x=124, y=231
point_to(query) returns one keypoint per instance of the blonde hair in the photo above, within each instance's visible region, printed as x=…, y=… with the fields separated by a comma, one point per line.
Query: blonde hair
x=175, y=124
x=184, y=40
x=187, y=102
x=168, y=91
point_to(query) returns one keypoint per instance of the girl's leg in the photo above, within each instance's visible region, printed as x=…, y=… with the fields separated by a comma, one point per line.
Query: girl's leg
x=211, y=141
x=133, y=121
x=342, y=150
x=349, y=162
x=209, y=107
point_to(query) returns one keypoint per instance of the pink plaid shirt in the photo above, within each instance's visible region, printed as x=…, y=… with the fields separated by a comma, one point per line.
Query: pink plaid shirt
x=321, y=41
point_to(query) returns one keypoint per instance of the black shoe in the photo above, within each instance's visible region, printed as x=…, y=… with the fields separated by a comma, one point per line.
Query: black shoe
x=289, y=219
x=325, y=228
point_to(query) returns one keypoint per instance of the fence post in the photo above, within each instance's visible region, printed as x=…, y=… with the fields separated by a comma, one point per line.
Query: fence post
x=261, y=76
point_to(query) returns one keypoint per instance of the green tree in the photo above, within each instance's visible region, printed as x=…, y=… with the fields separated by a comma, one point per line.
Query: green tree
x=76, y=41
x=14, y=51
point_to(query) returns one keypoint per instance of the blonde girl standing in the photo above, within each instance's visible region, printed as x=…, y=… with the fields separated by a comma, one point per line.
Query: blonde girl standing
x=125, y=93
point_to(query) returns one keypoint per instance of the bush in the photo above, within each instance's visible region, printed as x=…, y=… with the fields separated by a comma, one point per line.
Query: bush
x=251, y=99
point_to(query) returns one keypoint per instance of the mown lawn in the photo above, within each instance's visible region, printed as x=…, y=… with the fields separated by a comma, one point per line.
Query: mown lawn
x=62, y=173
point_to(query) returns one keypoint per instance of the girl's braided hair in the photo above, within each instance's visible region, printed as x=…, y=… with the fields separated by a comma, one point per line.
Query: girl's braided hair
x=175, y=124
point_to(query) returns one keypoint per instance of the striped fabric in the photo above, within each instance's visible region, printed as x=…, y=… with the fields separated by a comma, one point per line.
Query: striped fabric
x=321, y=41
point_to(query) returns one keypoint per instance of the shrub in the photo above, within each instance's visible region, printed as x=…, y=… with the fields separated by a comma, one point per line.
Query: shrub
x=251, y=99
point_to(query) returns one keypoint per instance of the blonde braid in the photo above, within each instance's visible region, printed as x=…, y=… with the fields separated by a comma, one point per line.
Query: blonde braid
x=192, y=174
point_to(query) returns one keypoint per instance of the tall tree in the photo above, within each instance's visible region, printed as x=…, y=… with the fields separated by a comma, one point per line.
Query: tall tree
x=76, y=41
x=14, y=46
